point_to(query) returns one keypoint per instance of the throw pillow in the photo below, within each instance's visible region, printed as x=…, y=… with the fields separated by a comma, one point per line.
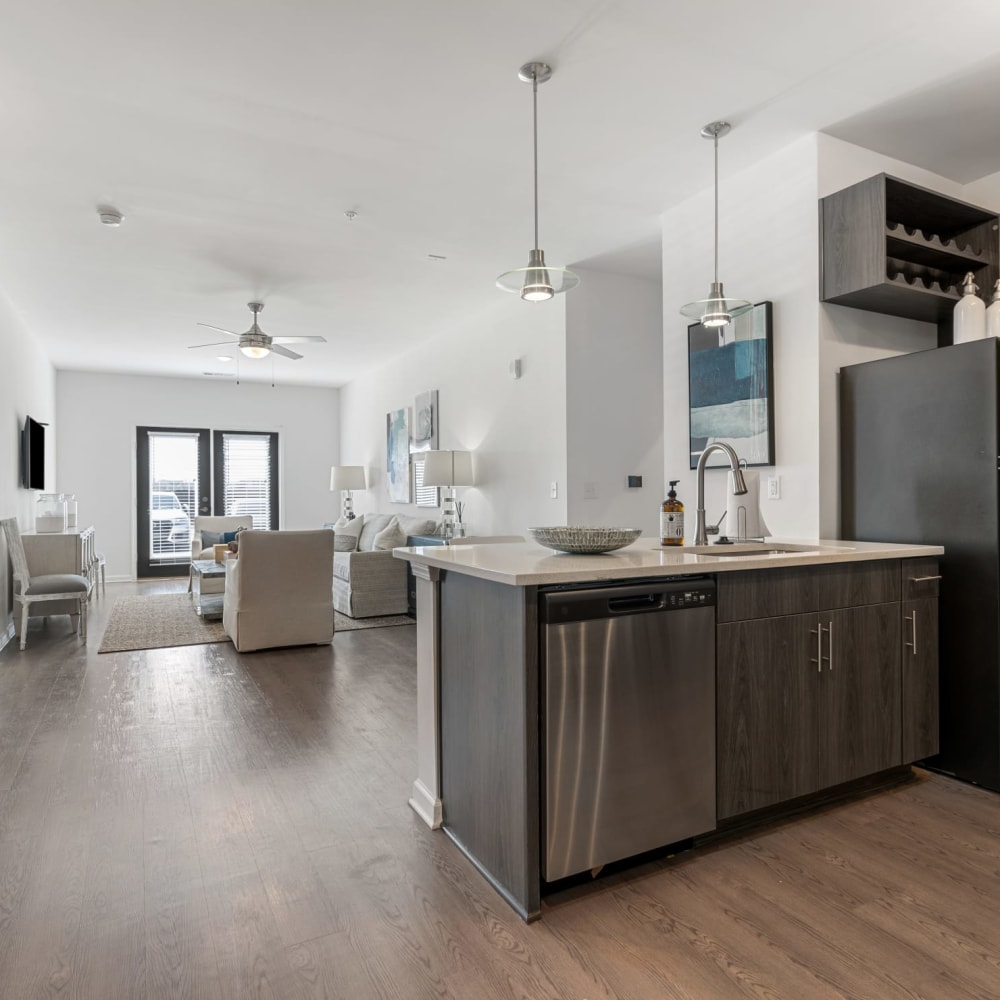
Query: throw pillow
x=392, y=536
x=210, y=538
x=346, y=534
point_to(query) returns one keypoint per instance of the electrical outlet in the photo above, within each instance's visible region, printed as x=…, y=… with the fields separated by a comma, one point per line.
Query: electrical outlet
x=554, y=490
x=590, y=491
x=774, y=487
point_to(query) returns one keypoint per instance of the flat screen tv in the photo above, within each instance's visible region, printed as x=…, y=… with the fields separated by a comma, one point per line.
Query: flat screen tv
x=33, y=455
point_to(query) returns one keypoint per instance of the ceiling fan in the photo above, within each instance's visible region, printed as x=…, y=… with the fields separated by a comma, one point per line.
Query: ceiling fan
x=257, y=344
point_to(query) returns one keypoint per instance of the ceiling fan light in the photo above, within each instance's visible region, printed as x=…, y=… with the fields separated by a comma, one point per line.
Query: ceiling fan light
x=254, y=351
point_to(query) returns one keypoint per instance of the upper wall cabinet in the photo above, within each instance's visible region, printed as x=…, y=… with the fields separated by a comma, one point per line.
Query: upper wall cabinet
x=891, y=247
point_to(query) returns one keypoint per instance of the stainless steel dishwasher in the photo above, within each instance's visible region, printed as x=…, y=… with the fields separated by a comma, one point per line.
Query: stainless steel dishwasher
x=628, y=720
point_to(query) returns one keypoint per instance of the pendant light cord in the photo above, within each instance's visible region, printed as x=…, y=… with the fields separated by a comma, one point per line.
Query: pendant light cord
x=534, y=146
x=715, y=143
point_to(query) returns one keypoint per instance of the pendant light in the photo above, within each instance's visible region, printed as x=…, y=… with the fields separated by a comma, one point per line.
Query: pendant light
x=538, y=281
x=716, y=310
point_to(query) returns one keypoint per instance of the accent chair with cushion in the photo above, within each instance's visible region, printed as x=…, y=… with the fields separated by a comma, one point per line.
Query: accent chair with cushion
x=367, y=580
x=207, y=532
x=29, y=590
x=279, y=590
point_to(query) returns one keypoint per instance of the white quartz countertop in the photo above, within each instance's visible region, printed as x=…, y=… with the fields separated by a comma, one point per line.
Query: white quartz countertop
x=526, y=564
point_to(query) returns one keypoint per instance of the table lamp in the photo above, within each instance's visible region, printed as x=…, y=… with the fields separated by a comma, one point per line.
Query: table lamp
x=448, y=469
x=347, y=478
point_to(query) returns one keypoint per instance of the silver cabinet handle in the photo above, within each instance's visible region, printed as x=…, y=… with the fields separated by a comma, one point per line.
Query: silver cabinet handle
x=912, y=619
x=818, y=660
x=829, y=643
x=924, y=579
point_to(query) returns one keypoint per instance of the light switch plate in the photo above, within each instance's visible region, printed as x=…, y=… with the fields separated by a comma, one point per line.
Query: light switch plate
x=774, y=487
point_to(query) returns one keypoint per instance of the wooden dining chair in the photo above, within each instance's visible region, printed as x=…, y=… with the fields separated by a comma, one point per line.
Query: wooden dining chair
x=51, y=587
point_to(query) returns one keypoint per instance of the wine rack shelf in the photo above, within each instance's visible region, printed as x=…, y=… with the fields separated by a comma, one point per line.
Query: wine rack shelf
x=891, y=247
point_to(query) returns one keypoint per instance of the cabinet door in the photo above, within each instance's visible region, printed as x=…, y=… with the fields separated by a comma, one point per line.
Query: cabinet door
x=859, y=729
x=920, y=679
x=767, y=712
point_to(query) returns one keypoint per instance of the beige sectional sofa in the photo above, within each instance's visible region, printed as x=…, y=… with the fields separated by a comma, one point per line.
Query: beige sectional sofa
x=367, y=579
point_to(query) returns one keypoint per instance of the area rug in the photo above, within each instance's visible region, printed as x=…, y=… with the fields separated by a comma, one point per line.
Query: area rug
x=157, y=620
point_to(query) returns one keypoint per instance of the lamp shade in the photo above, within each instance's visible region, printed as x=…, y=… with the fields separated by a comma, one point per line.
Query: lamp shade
x=347, y=477
x=448, y=468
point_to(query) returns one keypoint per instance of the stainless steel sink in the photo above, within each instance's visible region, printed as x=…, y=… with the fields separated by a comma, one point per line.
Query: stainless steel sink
x=749, y=550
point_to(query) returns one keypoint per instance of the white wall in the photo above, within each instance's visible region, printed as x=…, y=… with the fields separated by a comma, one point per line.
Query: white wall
x=614, y=400
x=27, y=387
x=98, y=415
x=516, y=428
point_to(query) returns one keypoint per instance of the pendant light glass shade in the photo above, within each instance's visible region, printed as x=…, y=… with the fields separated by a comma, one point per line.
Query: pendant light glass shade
x=538, y=281
x=716, y=310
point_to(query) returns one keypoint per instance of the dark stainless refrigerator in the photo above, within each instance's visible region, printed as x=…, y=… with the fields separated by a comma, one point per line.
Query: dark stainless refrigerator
x=920, y=462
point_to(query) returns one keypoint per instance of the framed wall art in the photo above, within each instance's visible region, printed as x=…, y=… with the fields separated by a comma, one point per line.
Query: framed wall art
x=425, y=421
x=397, y=452
x=425, y=438
x=730, y=384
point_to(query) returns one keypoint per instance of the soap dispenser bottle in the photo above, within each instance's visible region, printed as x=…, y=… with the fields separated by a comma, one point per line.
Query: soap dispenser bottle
x=672, y=518
x=970, y=313
x=993, y=313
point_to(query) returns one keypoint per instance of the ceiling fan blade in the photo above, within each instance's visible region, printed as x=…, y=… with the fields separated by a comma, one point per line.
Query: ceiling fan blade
x=298, y=340
x=284, y=351
x=217, y=343
x=221, y=329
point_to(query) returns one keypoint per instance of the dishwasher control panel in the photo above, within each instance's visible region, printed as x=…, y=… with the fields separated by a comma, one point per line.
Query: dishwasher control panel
x=561, y=605
x=691, y=599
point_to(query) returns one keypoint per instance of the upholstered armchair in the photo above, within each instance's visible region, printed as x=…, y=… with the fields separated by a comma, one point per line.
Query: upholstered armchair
x=279, y=590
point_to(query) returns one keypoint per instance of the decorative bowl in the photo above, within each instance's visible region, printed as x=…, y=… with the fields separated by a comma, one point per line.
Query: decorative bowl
x=585, y=540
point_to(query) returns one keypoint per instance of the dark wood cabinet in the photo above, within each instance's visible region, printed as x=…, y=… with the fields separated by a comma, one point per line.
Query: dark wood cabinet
x=890, y=247
x=767, y=712
x=805, y=702
x=859, y=729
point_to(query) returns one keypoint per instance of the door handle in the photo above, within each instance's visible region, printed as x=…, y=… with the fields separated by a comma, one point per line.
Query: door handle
x=818, y=659
x=924, y=579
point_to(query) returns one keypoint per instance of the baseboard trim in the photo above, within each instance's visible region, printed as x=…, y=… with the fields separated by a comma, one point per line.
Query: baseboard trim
x=7, y=634
x=425, y=805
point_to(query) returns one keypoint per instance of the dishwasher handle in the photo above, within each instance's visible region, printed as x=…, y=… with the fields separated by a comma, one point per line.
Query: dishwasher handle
x=638, y=602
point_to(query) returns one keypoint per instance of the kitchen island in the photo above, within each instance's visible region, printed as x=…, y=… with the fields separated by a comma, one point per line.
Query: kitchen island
x=825, y=673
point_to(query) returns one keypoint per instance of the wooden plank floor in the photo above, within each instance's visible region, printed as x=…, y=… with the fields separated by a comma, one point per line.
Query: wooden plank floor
x=194, y=823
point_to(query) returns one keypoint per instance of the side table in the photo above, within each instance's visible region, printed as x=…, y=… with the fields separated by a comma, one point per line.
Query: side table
x=207, y=605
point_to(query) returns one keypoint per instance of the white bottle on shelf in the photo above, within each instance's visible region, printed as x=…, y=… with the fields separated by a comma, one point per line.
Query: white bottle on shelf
x=970, y=313
x=993, y=313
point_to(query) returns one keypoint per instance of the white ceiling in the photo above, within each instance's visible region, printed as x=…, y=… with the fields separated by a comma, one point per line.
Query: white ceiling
x=235, y=135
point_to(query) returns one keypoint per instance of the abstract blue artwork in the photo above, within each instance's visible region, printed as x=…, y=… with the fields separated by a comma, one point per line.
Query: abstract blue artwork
x=730, y=376
x=397, y=450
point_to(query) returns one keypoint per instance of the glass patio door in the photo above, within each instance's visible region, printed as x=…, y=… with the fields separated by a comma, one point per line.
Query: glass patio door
x=173, y=479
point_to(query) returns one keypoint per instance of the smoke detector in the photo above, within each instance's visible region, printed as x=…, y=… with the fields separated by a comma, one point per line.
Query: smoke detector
x=109, y=216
